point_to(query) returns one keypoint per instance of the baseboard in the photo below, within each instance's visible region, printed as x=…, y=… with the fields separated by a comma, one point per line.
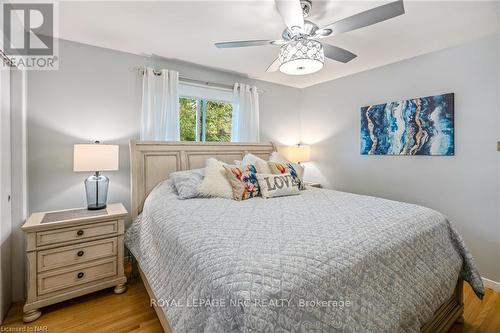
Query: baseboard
x=491, y=284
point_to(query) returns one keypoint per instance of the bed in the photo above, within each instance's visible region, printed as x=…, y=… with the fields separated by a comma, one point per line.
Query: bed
x=321, y=261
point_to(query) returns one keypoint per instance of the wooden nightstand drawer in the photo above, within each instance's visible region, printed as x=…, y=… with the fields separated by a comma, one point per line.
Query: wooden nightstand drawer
x=76, y=233
x=76, y=254
x=72, y=252
x=65, y=278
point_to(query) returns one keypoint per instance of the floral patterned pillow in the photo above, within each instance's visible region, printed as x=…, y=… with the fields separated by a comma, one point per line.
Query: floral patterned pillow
x=295, y=170
x=243, y=180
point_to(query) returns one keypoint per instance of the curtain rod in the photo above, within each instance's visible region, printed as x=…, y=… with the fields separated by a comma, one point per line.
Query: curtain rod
x=206, y=83
x=201, y=83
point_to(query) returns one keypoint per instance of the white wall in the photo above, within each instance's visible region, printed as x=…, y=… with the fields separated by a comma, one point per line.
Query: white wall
x=464, y=187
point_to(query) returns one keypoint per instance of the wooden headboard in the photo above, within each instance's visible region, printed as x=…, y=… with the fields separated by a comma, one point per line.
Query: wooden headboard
x=152, y=161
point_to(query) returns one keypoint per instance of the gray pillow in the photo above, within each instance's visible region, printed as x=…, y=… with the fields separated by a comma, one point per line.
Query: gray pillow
x=187, y=182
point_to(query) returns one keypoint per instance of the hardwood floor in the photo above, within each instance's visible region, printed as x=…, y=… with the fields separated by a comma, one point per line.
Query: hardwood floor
x=102, y=311
x=480, y=316
x=130, y=312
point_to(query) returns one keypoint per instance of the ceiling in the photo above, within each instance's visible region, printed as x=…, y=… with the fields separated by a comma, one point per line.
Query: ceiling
x=186, y=30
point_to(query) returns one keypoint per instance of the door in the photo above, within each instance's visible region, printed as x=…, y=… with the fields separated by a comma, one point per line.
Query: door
x=5, y=188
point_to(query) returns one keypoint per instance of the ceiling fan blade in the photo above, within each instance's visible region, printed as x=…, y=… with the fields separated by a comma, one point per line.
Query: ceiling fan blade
x=274, y=66
x=245, y=43
x=337, y=53
x=364, y=19
x=291, y=12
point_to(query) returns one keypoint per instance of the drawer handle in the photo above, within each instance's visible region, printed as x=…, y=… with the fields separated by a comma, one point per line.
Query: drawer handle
x=80, y=275
x=79, y=232
x=79, y=253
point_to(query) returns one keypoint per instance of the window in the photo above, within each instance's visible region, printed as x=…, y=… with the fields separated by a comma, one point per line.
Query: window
x=205, y=114
x=205, y=120
x=188, y=118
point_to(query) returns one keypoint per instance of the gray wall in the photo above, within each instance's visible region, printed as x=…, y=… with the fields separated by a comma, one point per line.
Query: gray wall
x=464, y=187
x=96, y=94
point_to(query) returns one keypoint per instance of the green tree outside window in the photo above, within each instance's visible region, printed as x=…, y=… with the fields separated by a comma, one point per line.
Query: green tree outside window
x=205, y=120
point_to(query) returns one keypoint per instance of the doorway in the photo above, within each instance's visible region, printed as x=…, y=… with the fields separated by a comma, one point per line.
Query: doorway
x=5, y=192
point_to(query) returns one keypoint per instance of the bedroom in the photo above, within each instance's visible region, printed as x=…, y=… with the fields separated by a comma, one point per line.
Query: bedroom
x=384, y=117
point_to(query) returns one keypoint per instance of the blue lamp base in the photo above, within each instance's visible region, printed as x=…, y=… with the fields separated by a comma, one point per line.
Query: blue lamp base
x=96, y=187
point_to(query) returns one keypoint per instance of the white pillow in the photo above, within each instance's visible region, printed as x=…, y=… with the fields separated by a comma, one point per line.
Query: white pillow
x=259, y=163
x=215, y=183
x=278, y=158
x=277, y=185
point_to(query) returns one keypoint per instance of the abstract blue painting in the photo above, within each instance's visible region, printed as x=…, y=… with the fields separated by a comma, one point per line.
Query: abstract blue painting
x=419, y=126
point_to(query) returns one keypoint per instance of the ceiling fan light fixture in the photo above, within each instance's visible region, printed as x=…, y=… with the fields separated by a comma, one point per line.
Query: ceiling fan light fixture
x=301, y=57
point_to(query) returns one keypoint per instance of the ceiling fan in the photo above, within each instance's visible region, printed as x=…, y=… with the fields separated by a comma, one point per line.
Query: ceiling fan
x=301, y=52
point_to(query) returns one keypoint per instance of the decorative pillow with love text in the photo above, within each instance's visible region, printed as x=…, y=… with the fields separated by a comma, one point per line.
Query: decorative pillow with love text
x=295, y=170
x=272, y=185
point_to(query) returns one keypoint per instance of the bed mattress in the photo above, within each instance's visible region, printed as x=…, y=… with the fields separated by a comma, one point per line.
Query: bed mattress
x=321, y=261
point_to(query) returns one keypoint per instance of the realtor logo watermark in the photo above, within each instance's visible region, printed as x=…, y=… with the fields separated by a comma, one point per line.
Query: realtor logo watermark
x=28, y=35
x=245, y=302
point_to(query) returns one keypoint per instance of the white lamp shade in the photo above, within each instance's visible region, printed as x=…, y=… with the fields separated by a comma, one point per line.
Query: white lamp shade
x=299, y=153
x=95, y=157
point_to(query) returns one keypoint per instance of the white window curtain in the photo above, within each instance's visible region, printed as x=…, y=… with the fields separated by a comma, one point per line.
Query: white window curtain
x=245, y=124
x=160, y=105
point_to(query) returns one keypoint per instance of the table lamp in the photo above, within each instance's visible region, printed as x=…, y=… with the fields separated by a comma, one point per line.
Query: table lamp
x=298, y=153
x=95, y=157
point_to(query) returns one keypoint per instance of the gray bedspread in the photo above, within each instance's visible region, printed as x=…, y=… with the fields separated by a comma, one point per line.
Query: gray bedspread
x=321, y=261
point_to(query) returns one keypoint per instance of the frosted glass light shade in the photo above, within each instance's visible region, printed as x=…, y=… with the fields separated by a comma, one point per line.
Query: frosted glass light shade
x=300, y=57
x=298, y=153
x=95, y=157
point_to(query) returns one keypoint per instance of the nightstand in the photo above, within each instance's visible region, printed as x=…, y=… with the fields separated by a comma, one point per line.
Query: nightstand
x=70, y=253
x=312, y=184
